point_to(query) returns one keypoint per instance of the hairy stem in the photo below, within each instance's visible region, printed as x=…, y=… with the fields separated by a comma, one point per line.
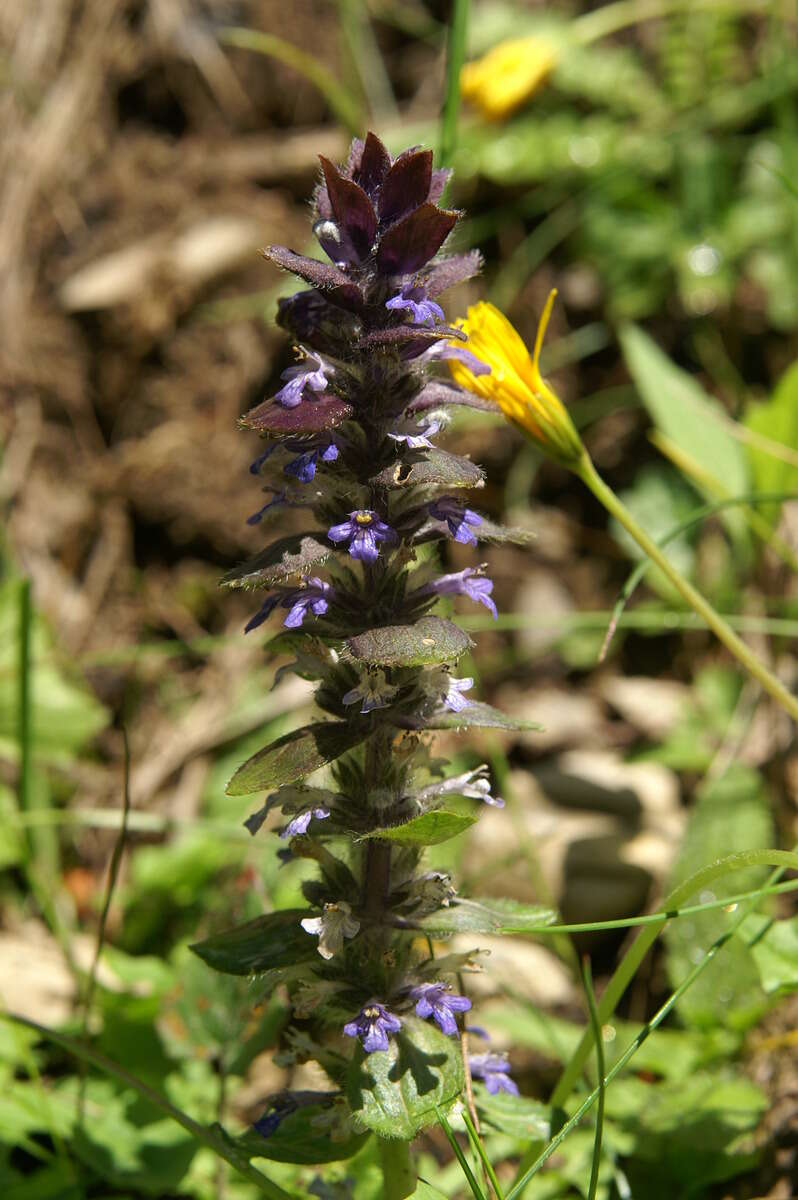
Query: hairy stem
x=398, y=1175
x=722, y=630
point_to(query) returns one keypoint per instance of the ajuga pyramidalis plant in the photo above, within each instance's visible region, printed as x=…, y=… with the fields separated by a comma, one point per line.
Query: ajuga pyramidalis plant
x=374, y=995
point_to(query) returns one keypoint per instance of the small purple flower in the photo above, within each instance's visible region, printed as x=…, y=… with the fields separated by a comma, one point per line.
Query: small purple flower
x=372, y=1025
x=418, y=441
x=458, y=518
x=494, y=1071
x=303, y=467
x=313, y=597
x=277, y=499
x=414, y=298
x=254, y=467
x=434, y=1000
x=299, y=825
x=310, y=373
x=269, y=1123
x=469, y=582
x=364, y=531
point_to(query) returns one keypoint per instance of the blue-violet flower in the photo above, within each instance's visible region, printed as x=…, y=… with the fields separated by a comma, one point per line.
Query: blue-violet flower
x=459, y=519
x=364, y=531
x=414, y=298
x=373, y=690
x=418, y=441
x=303, y=467
x=313, y=596
x=469, y=582
x=299, y=825
x=434, y=1000
x=494, y=1071
x=310, y=373
x=372, y=1025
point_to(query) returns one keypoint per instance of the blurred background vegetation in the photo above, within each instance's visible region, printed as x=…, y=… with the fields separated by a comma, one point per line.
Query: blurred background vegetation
x=649, y=172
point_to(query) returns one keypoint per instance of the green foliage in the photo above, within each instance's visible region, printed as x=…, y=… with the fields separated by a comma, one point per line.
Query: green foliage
x=395, y=1093
x=294, y=756
x=489, y=916
x=305, y=1136
x=275, y=940
x=430, y=829
x=478, y=715
x=776, y=420
x=431, y=641
x=732, y=812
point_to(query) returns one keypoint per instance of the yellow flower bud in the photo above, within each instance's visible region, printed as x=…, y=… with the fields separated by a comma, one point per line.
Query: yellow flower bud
x=508, y=75
x=515, y=383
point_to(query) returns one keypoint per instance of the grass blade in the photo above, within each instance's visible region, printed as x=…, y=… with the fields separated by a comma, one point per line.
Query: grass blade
x=598, y=1039
x=455, y=57
x=461, y=1158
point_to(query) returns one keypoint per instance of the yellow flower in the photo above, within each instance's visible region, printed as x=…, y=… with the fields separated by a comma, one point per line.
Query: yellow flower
x=515, y=383
x=507, y=75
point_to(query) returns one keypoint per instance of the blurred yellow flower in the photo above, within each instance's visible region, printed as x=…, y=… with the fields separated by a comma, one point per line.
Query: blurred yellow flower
x=515, y=383
x=507, y=75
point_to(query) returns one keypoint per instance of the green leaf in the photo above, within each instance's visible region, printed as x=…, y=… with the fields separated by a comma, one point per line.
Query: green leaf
x=395, y=1092
x=776, y=419
x=274, y=940
x=517, y=1116
x=733, y=812
x=691, y=419
x=293, y=756
x=429, y=642
x=298, y=1140
x=775, y=951
x=285, y=558
x=489, y=916
x=425, y=1191
x=490, y=531
x=476, y=715
x=430, y=829
x=436, y=467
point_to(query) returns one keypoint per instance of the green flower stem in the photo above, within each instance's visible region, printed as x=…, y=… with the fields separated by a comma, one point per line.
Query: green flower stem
x=398, y=1175
x=725, y=634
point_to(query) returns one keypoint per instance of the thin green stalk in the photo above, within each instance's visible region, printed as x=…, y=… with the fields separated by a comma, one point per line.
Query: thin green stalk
x=455, y=57
x=644, y=1033
x=398, y=1174
x=722, y=630
x=471, y=1179
x=628, y=967
x=214, y=1139
x=481, y=1152
x=599, y=1041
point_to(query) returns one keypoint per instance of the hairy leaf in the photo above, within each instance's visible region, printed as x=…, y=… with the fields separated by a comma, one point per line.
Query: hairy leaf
x=294, y=756
x=777, y=420
x=268, y=942
x=272, y=419
x=475, y=716
x=301, y=1137
x=285, y=558
x=431, y=641
x=436, y=467
x=429, y=829
x=489, y=916
x=395, y=1092
x=517, y=1116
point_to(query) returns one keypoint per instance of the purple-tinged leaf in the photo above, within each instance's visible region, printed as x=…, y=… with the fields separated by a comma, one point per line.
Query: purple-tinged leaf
x=410, y=335
x=290, y=556
x=437, y=393
x=406, y=185
x=351, y=208
x=416, y=239
x=330, y=279
x=438, y=184
x=294, y=756
x=375, y=163
x=430, y=642
x=451, y=271
x=272, y=419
